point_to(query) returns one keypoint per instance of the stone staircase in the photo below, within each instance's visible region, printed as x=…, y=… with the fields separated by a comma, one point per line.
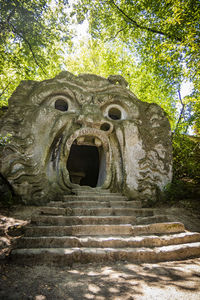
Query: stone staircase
x=92, y=226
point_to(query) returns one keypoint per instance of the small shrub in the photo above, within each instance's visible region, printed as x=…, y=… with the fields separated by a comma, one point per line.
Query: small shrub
x=186, y=158
x=4, y=140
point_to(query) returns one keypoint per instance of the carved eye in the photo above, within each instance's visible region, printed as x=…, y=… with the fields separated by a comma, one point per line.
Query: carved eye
x=61, y=104
x=114, y=113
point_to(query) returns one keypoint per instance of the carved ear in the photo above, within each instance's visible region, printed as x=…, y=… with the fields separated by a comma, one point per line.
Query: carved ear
x=117, y=79
x=154, y=108
x=65, y=75
x=22, y=92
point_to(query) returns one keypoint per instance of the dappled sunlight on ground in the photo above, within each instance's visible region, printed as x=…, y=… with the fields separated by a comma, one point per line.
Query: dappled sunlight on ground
x=117, y=281
x=127, y=281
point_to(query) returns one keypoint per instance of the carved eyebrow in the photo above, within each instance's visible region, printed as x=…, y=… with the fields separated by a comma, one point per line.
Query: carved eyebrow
x=57, y=94
x=123, y=103
x=106, y=99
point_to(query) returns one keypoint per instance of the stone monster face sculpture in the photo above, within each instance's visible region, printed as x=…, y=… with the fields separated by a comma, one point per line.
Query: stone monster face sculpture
x=86, y=130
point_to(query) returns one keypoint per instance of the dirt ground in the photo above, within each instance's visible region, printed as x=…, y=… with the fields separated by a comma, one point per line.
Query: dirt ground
x=120, y=280
x=127, y=281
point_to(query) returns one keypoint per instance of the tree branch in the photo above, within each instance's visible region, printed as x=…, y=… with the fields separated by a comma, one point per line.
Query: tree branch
x=119, y=32
x=5, y=89
x=30, y=47
x=33, y=54
x=181, y=112
x=136, y=24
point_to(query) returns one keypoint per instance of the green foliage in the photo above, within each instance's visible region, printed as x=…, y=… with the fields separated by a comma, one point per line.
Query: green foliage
x=4, y=140
x=106, y=58
x=186, y=157
x=183, y=193
x=184, y=189
x=177, y=190
x=31, y=37
x=153, y=44
x=163, y=35
x=167, y=30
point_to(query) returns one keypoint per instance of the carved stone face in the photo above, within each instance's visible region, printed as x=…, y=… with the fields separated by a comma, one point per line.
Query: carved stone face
x=85, y=130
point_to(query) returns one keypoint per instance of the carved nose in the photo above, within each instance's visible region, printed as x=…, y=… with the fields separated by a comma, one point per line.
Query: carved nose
x=91, y=116
x=107, y=127
x=91, y=121
x=87, y=120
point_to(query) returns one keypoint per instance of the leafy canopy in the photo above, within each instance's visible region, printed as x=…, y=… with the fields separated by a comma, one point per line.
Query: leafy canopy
x=153, y=44
x=101, y=58
x=31, y=34
x=163, y=35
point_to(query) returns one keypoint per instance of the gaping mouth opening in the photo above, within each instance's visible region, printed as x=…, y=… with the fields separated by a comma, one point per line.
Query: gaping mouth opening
x=86, y=163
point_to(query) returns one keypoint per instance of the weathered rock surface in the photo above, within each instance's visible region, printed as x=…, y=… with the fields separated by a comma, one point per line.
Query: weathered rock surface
x=84, y=130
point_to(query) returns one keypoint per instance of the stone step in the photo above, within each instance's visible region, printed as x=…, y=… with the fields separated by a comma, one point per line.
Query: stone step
x=79, y=230
x=94, y=230
x=152, y=219
x=82, y=220
x=96, y=211
x=107, y=242
x=67, y=256
x=100, y=197
x=92, y=191
x=96, y=204
x=158, y=228
x=96, y=220
x=53, y=210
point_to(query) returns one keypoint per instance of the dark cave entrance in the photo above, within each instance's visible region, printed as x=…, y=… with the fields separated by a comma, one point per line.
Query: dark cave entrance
x=84, y=165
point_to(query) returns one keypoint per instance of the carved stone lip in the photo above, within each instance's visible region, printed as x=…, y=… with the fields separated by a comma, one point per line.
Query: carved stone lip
x=91, y=137
x=88, y=132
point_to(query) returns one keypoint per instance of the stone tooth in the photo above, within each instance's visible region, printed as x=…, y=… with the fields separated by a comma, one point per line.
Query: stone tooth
x=97, y=142
x=80, y=140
